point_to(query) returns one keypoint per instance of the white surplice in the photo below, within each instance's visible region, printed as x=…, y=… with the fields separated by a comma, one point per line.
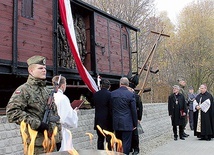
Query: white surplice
x=204, y=106
x=68, y=119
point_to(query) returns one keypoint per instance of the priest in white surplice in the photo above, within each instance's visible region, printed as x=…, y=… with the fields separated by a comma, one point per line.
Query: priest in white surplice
x=203, y=108
x=68, y=115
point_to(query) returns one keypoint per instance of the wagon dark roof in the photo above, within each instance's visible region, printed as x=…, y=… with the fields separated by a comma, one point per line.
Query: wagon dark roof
x=95, y=9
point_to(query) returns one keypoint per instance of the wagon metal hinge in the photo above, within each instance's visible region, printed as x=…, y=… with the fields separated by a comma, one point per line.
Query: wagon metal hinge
x=101, y=46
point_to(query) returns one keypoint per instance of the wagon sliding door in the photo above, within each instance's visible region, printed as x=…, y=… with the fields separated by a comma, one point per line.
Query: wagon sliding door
x=111, y=47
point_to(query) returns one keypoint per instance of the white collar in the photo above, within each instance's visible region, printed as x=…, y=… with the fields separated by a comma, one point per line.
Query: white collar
x=59, y=90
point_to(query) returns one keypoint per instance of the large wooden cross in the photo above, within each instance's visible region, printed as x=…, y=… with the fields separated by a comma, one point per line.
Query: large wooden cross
x=147, y=63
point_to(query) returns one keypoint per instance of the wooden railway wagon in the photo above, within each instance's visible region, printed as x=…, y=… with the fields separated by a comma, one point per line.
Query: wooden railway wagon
x=33, y=27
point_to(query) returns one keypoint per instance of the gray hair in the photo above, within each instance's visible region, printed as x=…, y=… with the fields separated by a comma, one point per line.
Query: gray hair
x=176, y=87
x=124, y=81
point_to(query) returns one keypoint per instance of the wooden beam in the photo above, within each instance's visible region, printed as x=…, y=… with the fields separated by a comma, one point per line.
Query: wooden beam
x=165, y=35
x=150, y=57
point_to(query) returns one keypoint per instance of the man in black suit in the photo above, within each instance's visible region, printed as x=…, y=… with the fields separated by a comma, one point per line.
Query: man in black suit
x=124, y=113
x=103, y=114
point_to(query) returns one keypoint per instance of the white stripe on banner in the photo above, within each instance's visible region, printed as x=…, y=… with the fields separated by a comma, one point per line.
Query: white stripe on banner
x=67, y=20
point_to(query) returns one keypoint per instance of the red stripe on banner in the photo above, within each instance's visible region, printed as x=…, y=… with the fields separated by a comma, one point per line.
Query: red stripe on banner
x=86, y=77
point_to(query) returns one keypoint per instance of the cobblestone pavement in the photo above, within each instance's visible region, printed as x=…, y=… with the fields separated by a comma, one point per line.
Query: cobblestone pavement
x=190, y=146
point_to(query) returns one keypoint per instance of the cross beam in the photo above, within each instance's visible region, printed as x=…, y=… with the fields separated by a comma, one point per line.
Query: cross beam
x=150, y=56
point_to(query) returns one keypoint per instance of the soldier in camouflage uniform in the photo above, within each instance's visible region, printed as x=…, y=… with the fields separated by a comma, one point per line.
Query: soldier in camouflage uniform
x=182, y=84
x=29, y=100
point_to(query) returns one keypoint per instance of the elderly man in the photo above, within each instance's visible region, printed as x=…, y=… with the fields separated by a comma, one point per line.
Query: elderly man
x=29, y=101
x=177, y=111
x=124, y=113
x=203, y=114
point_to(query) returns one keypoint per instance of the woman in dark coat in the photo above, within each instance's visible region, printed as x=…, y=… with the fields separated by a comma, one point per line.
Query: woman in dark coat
x=177, y=111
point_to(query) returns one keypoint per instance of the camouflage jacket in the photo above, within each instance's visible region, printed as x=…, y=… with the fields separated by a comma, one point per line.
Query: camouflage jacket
x=28, y=103
x=183, y=92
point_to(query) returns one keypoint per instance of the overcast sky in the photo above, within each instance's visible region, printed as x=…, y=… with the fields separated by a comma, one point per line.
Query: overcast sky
x=173, y=7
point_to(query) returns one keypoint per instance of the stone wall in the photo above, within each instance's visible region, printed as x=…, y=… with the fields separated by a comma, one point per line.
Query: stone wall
x=156, y=124
x=157, y=127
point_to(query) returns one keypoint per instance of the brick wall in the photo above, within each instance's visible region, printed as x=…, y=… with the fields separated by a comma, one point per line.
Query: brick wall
x=156, y=124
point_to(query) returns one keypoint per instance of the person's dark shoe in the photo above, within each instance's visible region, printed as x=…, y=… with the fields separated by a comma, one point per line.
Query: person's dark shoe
x=208, y=138
x=175, y=138
x=182, y=138
x=135, y=152
x=185, y=135
x=58, y=146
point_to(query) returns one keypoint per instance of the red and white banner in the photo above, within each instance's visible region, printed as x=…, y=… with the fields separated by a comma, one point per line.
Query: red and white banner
x=67, y=20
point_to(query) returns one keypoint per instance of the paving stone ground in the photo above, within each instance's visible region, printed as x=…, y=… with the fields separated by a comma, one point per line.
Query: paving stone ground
x=189, y=146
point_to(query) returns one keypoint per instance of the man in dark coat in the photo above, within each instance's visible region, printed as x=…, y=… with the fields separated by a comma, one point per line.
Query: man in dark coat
x=124, y=113
x=135, y=134
x=203, y=108
x=177, y=111
x=103, y=114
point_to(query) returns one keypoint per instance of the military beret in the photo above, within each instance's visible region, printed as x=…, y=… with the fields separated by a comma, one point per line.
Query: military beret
x=36, y=59
x=180, y=79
